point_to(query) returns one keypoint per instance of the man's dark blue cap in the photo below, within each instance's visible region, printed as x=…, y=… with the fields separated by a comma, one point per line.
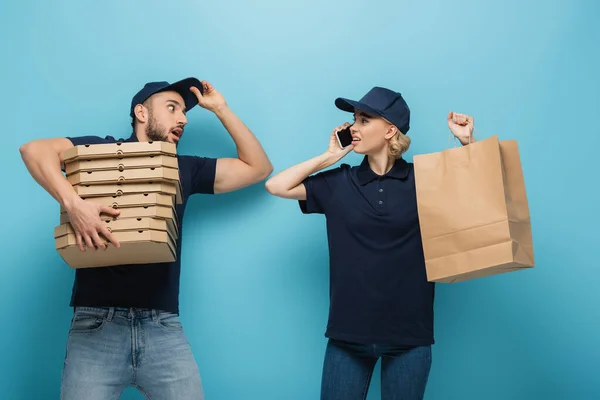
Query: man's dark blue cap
x=182, y=87
x=380, y=102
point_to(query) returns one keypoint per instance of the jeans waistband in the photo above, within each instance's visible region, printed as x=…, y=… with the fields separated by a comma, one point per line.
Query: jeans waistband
x=110, y=312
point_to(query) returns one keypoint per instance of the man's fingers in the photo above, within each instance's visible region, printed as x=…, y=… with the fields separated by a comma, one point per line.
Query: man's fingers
x=98, y=241
x=110, y=211
x=79, y=240
x=207, y=87
x=196, y=91
x=88, y=241
x=110, y=237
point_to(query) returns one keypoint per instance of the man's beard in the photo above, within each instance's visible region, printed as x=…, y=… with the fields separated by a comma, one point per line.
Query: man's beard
x=156, y=132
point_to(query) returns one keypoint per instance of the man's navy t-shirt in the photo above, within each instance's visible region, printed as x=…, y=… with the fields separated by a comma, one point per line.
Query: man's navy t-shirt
x=153, y=286
x=379, y=291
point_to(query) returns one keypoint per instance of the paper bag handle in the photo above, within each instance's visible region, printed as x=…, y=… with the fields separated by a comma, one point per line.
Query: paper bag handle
x=452, y=136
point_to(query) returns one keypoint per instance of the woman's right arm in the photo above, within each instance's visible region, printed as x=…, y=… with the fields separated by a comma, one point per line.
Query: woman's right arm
x=288, y=183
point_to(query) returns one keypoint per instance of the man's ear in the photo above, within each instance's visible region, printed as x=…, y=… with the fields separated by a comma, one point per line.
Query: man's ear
x=141, y=113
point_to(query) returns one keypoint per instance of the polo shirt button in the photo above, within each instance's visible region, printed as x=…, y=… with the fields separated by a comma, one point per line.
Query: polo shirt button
x=380, y=190
x=380, y=202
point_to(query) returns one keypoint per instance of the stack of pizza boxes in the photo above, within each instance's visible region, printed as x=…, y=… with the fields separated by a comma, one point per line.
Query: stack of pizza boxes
x=141, y=179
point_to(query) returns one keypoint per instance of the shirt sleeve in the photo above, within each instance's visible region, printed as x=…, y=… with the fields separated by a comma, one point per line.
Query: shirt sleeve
x=319, y=190
x=83, y=140
x=203, y=174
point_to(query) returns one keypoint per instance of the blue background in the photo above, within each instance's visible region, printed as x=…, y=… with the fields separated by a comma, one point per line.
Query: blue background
x=254, y=296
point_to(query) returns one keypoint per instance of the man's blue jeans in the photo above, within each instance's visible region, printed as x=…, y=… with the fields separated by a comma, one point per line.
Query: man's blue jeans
x=348, y=368
x=109, y=349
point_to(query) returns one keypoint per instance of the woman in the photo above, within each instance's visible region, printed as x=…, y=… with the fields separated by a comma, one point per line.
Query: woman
x=381, y=304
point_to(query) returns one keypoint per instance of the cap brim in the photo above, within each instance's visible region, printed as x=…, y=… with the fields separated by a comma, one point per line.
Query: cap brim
x=351, y=106
x=183, y=88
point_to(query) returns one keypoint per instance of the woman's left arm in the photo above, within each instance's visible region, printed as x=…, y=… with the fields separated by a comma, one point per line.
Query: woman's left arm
x=461, y=126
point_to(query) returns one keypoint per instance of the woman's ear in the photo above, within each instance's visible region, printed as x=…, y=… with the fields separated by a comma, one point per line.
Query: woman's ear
x=391, y=132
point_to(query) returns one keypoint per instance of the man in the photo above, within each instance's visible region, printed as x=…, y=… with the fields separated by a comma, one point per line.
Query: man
x=125, y=329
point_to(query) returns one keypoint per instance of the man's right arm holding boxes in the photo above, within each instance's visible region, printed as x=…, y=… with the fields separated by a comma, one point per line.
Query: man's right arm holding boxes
x=43, y=158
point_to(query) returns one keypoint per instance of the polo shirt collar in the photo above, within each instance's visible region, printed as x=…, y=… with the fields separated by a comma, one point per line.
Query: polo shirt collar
x=365, y=174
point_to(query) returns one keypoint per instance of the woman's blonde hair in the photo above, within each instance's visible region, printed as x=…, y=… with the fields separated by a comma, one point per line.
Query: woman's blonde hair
x=399, y=144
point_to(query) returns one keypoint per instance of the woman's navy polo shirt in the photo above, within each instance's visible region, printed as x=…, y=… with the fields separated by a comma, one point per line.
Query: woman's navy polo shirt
x=379, y=291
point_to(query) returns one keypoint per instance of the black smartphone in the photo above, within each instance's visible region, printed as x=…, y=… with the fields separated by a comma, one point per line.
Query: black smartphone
x=344, y=137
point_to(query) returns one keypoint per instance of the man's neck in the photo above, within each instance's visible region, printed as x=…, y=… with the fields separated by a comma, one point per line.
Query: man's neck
x=140, y=135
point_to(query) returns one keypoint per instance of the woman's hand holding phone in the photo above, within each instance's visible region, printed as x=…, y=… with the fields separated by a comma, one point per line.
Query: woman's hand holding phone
x=337, y=140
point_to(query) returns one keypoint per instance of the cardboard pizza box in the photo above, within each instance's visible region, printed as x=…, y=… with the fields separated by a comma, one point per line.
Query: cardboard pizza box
x=132, y=200
x=136, y=175
x=120, y=163
x=125, y=224
x=133, y=175
x=119, y=189
x=119, y=149
x=136, y=247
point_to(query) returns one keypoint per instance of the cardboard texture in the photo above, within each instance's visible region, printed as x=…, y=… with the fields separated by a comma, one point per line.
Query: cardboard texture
x=136, y=247
x=136, y=175
x=119, y=189
x=473, y=211
x=121, y=163
x=132, y=200
x=125, y=224
x=141, y=180
x=119, y=149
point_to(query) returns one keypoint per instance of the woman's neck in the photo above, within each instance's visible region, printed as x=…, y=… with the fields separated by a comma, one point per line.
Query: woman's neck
x=381, y=163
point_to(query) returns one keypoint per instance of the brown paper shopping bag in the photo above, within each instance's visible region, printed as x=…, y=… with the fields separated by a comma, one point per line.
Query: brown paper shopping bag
x=473, y=211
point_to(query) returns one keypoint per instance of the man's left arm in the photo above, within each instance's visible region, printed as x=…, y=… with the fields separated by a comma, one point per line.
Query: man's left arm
x=253, y=164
